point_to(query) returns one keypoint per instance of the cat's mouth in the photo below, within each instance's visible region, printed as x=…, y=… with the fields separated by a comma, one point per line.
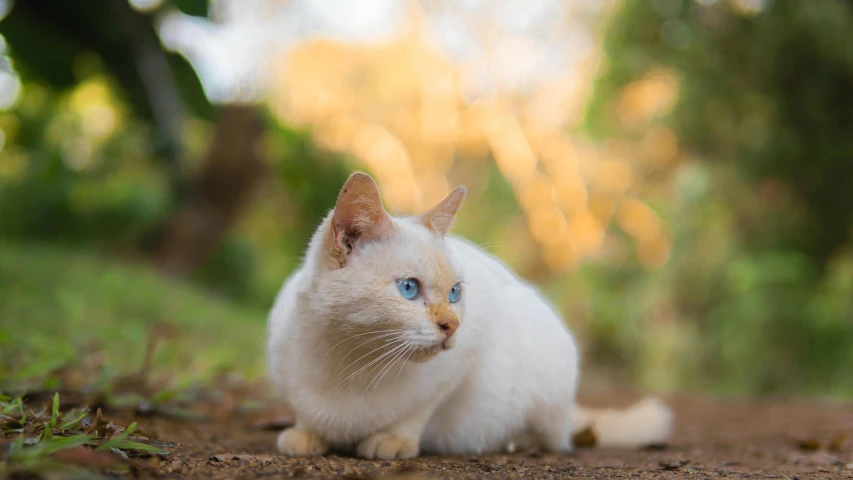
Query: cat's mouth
x=429, y=352
x=426, y=354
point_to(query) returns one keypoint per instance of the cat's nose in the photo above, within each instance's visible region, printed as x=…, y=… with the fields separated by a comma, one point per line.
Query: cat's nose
x=448, y=325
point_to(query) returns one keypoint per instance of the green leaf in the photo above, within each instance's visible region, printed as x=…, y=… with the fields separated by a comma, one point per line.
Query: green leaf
x=47, y=435
x=15, y=406
x=62, y=443
x=54, y=411
x=129, y=445
x=163, y=396
x=118, y=439
x=71, y=423
x=46, y=447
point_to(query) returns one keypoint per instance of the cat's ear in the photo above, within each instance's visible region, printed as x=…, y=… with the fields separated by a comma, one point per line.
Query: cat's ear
x=359, y=215
x=440, y=218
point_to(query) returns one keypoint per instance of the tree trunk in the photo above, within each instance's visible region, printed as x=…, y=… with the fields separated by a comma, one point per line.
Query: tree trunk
x=231, y=170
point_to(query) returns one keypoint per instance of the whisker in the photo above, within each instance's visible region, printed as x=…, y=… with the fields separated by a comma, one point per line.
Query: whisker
x=380, y=347
x=388, y=367
x=373, y=339
x=358, y=335
x=409, y=354
x=344, y=381
x=378, y=365
x=382, y=364
x=488, y=245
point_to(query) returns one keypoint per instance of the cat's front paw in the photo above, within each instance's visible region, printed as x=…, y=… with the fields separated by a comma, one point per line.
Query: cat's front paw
x=387, y=446
x=301, y=443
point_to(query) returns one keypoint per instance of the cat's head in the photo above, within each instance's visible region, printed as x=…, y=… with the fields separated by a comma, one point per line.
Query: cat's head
x=387, y=279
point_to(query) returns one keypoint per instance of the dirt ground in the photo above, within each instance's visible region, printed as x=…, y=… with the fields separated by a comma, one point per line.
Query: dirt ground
x=713, y=439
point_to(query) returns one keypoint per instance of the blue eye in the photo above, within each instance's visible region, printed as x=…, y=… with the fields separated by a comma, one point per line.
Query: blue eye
x=408, y=288
x=455, y=293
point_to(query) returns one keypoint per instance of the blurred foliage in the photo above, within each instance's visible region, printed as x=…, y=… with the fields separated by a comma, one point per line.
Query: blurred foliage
x=115, y=33
x=758, y=293
x=747, y=111
x=60, y=307
x=74, y=168
x=83, y=149
x=766, y=92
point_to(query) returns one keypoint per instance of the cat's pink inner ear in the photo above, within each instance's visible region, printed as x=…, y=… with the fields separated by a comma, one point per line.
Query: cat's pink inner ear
x=359, y=215
x=440, y=218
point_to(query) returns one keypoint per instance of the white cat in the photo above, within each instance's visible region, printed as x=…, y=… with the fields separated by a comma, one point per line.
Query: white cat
x=394, y=338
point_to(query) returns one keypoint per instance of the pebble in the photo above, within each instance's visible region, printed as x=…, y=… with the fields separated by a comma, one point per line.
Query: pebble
x=176, y=466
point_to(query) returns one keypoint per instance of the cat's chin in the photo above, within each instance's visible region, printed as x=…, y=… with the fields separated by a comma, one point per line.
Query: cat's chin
x=426, y=354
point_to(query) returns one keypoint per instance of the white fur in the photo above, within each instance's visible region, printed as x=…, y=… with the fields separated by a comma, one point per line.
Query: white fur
x=647, y=422
x=509, y=376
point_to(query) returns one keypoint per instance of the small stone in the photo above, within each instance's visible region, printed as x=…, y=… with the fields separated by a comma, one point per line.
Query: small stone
x=176, y=467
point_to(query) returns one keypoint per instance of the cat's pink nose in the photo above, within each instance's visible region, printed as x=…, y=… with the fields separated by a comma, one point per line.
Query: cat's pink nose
x=448, y=326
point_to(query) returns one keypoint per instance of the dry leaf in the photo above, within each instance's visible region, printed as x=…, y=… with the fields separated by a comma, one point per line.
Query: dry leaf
x=242, y=457
x=809, y=444
x=673, y=465
x=585, y=438
x=99, y=427
x=279, y=423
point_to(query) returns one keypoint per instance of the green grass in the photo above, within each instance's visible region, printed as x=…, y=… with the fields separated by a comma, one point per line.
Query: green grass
x=52, y=441
x=59, y=305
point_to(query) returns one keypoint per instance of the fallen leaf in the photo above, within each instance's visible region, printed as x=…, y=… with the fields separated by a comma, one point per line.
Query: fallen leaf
x=585, y=438
x=808, y=444
x=673, y=465
x=241, y=457
x=112, y=430
x=278, y=423
x=156, y=443
x=99, y=427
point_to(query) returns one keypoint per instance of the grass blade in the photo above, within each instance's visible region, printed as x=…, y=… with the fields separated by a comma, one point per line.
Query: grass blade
x=73, y=422
x=129, y=445
x=118, y=439
x=54, y=410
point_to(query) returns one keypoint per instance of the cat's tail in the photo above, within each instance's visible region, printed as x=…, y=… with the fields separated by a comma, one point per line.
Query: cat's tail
x=643, y=424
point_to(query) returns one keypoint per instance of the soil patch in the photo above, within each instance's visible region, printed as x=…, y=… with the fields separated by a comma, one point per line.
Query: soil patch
x=713, y=439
